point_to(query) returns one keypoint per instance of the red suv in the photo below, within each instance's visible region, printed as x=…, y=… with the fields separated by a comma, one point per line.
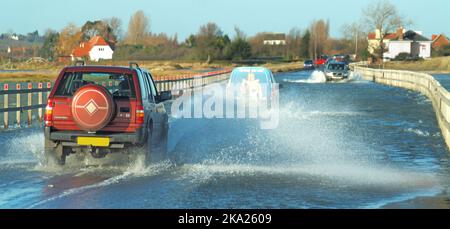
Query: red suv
x=102, y=110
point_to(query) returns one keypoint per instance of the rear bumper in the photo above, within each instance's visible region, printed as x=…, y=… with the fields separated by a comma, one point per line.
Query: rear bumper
x=117, y=138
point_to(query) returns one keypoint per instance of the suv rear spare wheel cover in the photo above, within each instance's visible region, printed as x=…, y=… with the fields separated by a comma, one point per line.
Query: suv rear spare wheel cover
x=92, y=107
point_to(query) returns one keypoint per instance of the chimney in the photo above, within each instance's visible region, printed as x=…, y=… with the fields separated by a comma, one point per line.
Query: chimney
x=434, y=36
x=400, y=33
x=377, y=34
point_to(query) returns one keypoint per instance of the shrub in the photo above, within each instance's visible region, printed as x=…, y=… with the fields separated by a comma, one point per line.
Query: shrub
x=402, y=56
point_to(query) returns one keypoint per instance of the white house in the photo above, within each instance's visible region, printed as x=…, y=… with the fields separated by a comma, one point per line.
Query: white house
x=411, y=42
x=274, y=39
x=96, y=49
x=402, y=41
x=14, y=37
x=374, y=39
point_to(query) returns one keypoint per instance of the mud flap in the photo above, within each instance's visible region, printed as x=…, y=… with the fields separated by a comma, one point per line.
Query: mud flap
x=54, y=154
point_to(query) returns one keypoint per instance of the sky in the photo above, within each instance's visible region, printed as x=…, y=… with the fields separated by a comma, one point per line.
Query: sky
x=184, y=17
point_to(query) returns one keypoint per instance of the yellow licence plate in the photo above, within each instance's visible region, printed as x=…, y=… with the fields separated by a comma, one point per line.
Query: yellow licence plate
x=92, y=141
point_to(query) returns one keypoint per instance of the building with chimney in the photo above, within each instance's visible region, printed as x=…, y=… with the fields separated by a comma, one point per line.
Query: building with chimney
x=95, y=49
x=439, y=41
x=411, y=42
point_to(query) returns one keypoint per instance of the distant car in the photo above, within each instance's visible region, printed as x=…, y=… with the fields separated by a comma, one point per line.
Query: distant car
x=308, y=64
x=321, y=60
x=336, y=71
x=253, y=83
x=330, y=59
x=341, y=58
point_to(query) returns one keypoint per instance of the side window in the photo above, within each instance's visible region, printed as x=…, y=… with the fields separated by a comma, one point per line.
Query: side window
x=147, y=84
x=143, y=85
x=152, y=85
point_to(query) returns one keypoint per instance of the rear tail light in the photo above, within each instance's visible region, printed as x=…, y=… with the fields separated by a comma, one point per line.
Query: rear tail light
x=140, y=116
x=48, y=117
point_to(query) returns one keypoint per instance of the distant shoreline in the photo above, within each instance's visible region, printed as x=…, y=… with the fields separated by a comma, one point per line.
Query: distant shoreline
x=159, y=69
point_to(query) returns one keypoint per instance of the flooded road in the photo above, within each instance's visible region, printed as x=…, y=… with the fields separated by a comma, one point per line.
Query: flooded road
x=338, y=145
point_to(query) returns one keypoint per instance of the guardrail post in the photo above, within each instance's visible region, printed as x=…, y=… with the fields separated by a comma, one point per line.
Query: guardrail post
x=49, y=85
x=167, y=83
x=40, y=101
x=29, y=112
x=18, y=105
x=5, y=105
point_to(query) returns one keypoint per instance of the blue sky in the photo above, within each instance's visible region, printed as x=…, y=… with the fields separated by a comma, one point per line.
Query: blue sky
x=184, y=17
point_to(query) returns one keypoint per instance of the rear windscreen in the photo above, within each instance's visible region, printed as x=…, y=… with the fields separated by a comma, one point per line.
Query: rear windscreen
x=119, y=85
x=336, y=67
x=239, y=76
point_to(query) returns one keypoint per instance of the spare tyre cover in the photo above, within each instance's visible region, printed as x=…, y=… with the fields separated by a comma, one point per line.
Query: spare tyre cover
x=92, y=107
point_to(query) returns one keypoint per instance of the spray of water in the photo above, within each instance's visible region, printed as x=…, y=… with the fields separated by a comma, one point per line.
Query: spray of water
x=307, y=143
x=316, y=77
x=21, y=146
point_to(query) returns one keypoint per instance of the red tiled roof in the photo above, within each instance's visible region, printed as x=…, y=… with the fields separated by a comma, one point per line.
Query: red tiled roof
x=388, y=36
x=440, y=41
x=85, y=47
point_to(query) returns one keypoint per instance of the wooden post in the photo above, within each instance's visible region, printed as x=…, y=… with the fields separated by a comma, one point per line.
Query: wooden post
x=49, y=85
x=6, y=106
x=40, y=102
x=30, y=101
x=18, y=105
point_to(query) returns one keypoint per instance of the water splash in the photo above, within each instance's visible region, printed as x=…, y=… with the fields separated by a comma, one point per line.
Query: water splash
x=315, y=77
x=134, y=170
x=22, y=146
x=418, y=132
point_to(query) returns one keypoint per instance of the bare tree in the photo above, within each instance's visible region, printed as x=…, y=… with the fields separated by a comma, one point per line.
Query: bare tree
x=69, y=38
x=293, y=43
x=320, y=31
x=209, y=30
x=384, y=17
x=138, y=28
x=116, y=26
x=239, y=33
x=355, y=34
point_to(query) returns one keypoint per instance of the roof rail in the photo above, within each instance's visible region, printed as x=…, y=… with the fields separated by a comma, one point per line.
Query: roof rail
x=80, y=63
x=134, y=65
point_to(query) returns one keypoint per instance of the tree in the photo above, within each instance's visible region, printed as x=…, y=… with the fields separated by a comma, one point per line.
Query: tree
x=384, y=17
x=304, y=48
x=33, y=37
x=320, y=31
x=355, y=37
x=191, y=41
x=116, y=26
x=210, y=42
x=48, y=49
x=99, y=28
x=293, y=43
x=69, y=38
x=239, y=48
x=138, y=28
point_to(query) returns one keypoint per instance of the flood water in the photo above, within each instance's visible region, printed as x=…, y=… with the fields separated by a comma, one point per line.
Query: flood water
x=354, y=144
